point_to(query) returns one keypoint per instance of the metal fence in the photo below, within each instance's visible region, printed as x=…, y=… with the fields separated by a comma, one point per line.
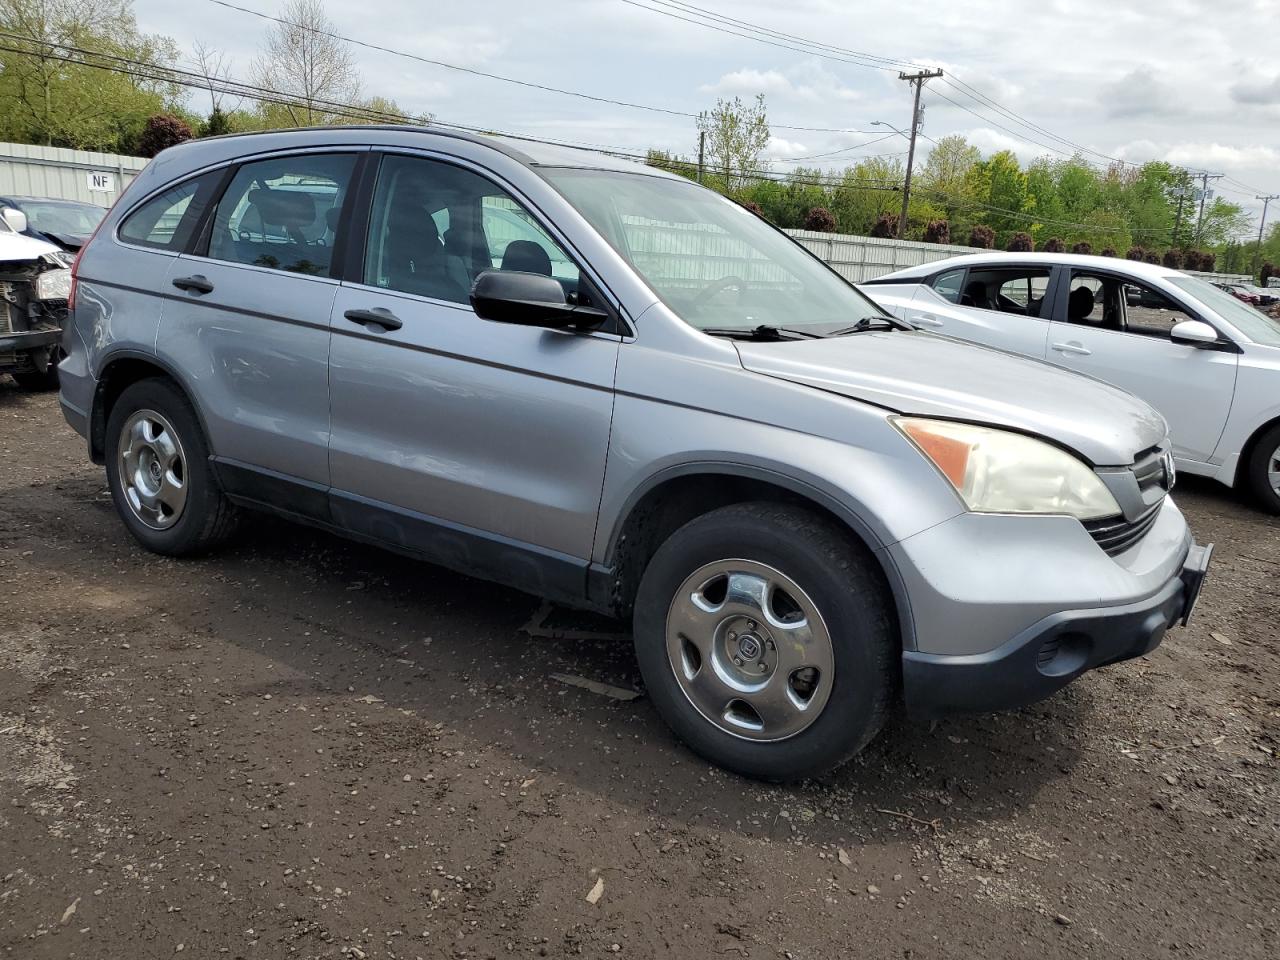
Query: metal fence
x=33, y=171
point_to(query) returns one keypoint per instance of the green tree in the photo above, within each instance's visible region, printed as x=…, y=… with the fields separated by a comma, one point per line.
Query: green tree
x=736, y=135
x=50, y=91
x=301, y=59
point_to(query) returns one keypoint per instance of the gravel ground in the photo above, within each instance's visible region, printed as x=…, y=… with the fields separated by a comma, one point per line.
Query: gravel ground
x=301, y=747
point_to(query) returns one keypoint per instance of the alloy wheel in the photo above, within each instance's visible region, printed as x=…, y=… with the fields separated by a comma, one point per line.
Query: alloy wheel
x=750, y=650
x=153, y=475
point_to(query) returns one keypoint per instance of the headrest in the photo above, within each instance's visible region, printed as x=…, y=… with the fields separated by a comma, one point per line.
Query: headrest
x=1080, y=304
x=284, y=208
x=527, y=257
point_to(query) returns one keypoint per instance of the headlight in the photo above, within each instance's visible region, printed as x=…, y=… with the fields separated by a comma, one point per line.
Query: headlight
x=53, y=285
x=997, y=471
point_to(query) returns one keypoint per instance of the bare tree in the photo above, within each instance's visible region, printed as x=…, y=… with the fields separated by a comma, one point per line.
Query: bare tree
x=215, y=67
x=303, y=58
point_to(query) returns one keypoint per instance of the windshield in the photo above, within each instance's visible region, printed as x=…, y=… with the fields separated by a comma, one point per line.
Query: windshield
x=1253, y=323
x=716, y=265
x=75, y=219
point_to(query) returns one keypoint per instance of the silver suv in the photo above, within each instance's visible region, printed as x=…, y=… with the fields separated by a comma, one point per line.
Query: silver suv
x=612, y=388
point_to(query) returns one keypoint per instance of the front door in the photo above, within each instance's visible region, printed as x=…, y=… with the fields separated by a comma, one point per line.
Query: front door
x=998, y=306
x=1117, y=330
x=465, y=440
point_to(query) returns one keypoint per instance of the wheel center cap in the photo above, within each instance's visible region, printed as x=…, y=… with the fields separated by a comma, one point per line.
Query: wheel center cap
x=155, y=470
x=748, y=647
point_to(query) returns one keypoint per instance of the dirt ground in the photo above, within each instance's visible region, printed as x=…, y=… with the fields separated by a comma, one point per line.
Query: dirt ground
x=304, y=748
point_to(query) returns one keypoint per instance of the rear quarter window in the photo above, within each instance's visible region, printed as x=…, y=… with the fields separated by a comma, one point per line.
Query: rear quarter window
x=167, y=220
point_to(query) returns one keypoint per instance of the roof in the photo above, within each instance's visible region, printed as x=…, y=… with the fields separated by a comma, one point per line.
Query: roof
x=1134, y=268
x=530, y=152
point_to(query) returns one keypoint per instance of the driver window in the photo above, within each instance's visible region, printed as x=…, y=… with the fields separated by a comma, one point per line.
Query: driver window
x=282, y=213
x=435, y=227
x=1149, y=312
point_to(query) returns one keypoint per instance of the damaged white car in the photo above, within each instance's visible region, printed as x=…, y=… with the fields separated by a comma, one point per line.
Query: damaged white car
x=35, y=279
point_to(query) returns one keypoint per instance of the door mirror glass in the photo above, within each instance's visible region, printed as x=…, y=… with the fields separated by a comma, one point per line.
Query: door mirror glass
x=530, y=300
x=1195, y=333
x=15, y=219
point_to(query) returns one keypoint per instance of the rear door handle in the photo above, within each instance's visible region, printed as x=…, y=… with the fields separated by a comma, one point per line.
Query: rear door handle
x=1073, y=348
x=194, y=284
x=378, y=315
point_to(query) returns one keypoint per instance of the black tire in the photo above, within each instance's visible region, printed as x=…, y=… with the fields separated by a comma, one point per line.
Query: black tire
x=1258, y=468
x=206, y=518
x=843, y=581
x=36, y=380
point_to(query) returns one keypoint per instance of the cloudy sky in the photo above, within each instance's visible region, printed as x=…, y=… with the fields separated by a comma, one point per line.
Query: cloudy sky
x=1188, y=81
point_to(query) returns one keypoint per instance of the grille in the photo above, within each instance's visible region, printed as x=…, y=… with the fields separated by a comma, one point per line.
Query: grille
x=1153, y=468
x=1116, y=535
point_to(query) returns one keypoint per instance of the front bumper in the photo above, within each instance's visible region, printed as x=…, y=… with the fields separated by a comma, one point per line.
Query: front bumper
x=1049, y=654
x=25, y=340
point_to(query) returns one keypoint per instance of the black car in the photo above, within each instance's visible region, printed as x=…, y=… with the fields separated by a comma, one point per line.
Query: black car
x=64, y=223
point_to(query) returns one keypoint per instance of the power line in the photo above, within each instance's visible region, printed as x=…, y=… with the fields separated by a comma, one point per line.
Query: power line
x=546, y=88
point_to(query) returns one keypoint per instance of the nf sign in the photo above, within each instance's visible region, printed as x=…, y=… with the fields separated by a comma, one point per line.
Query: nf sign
x=102, y=182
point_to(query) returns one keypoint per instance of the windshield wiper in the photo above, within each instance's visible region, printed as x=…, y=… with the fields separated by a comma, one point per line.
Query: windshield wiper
x=762, y=332
x=871, y=323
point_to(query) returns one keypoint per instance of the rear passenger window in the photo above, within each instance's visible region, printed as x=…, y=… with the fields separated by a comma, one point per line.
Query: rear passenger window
x=434, y=227
x=166, y=221
x=282, y=213
x=949, y=285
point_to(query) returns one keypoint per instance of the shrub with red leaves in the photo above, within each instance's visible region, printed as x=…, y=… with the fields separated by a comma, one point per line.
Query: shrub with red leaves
x=162, y=132
x=1054, y=245
x=1135, y=253
x=982, y=237
x=1084, y=247
x=820, y=219
x=1021, y=242
x=886, y=226
x=937, y=231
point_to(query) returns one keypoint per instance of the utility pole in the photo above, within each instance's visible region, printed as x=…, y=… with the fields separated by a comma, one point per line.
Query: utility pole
x=1204, y=194
x=1257, y=251
x=917, y=80
x=702, y=152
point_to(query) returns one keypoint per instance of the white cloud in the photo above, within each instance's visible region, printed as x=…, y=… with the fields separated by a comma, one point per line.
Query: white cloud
x=1141, y=93
x=1257, y=90
x=1218, y=156
x=782, y=149
x=808, y=80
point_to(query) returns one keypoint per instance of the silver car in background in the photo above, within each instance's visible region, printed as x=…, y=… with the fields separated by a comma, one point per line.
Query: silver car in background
x=608, y=386
x=1206, y=360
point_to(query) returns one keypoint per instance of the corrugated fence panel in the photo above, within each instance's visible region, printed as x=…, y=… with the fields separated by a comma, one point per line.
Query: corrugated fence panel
x=27, y=170
x=865, y=258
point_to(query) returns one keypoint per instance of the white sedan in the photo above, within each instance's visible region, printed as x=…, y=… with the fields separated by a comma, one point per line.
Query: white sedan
x=1209, y=362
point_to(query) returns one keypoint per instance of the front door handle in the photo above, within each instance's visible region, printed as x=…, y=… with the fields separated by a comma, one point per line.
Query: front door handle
x=194, y=284
x=925, y=320
x=379, y=315
x=1072, y=348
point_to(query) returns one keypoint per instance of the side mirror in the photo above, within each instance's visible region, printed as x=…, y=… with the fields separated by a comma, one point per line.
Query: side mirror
x=1194, y=333
x=15, y=219
x=530, y=300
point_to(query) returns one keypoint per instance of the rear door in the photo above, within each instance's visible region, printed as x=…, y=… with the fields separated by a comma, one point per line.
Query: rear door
x=481, y=444
x=1117, y=329
x=248, y=319
x=1004, y=306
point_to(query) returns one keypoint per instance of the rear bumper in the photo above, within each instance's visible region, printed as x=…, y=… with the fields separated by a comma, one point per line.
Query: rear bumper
x=1051, y=653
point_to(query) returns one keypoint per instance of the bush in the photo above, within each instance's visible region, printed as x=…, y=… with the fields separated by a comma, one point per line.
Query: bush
x=886, y=226
x=1109, y=252
x=1021, y=242
x=1268, y=271
x=982, y=237
x=1172, y=259
x=1053, y=245
x=820, y=219
x=161, y=132
x=753, y=207
x=1135, y=253
x=217, y=125
x=937, y=231
x=1151, y=257
x=1084, y=247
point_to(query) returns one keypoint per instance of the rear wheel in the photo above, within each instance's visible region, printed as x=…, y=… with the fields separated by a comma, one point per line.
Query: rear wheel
x=1264, y=470
x=159, y=473
x=765, y=638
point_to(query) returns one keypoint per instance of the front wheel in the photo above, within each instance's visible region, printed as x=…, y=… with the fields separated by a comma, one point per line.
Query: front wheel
x=765, y=637
x=1264, y=470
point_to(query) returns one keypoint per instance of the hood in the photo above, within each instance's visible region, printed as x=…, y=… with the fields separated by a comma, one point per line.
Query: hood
x=927, y=375
x=71, y=242
x=14, y=246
